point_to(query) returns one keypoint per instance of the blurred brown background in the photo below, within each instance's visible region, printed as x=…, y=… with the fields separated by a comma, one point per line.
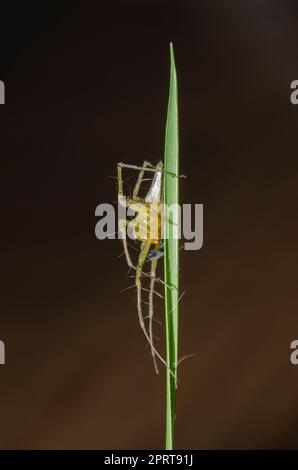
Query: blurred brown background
x=86, y=87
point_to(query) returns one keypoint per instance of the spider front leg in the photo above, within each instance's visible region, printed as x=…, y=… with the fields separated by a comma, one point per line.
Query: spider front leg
x=140, y=179
x=120, y=182
x=141, y=169
x=123, y=223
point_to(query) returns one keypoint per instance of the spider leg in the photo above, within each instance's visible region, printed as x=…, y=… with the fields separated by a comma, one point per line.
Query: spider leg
x=145, y=247
x=120, y=180
x=146, y=165
x=140, y=179
x=122, y=230
x=124, y=223
x=152, y=282
x=149, y=168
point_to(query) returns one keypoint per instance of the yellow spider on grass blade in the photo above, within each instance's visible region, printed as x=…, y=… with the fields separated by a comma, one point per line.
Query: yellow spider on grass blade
x=147, y=228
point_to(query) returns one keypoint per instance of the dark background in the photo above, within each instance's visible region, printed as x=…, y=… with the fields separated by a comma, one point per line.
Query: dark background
x=86, y=87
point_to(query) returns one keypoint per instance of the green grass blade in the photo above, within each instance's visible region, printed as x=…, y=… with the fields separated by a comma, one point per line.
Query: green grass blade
x=171, y=250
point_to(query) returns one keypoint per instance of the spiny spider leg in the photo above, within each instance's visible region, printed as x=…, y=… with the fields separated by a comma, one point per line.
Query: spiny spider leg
x=140, y=179
x=153, y=275
x=157, y=279
x=133, y=287
x=149, y=168
x=143, y=255
x=122, y=230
